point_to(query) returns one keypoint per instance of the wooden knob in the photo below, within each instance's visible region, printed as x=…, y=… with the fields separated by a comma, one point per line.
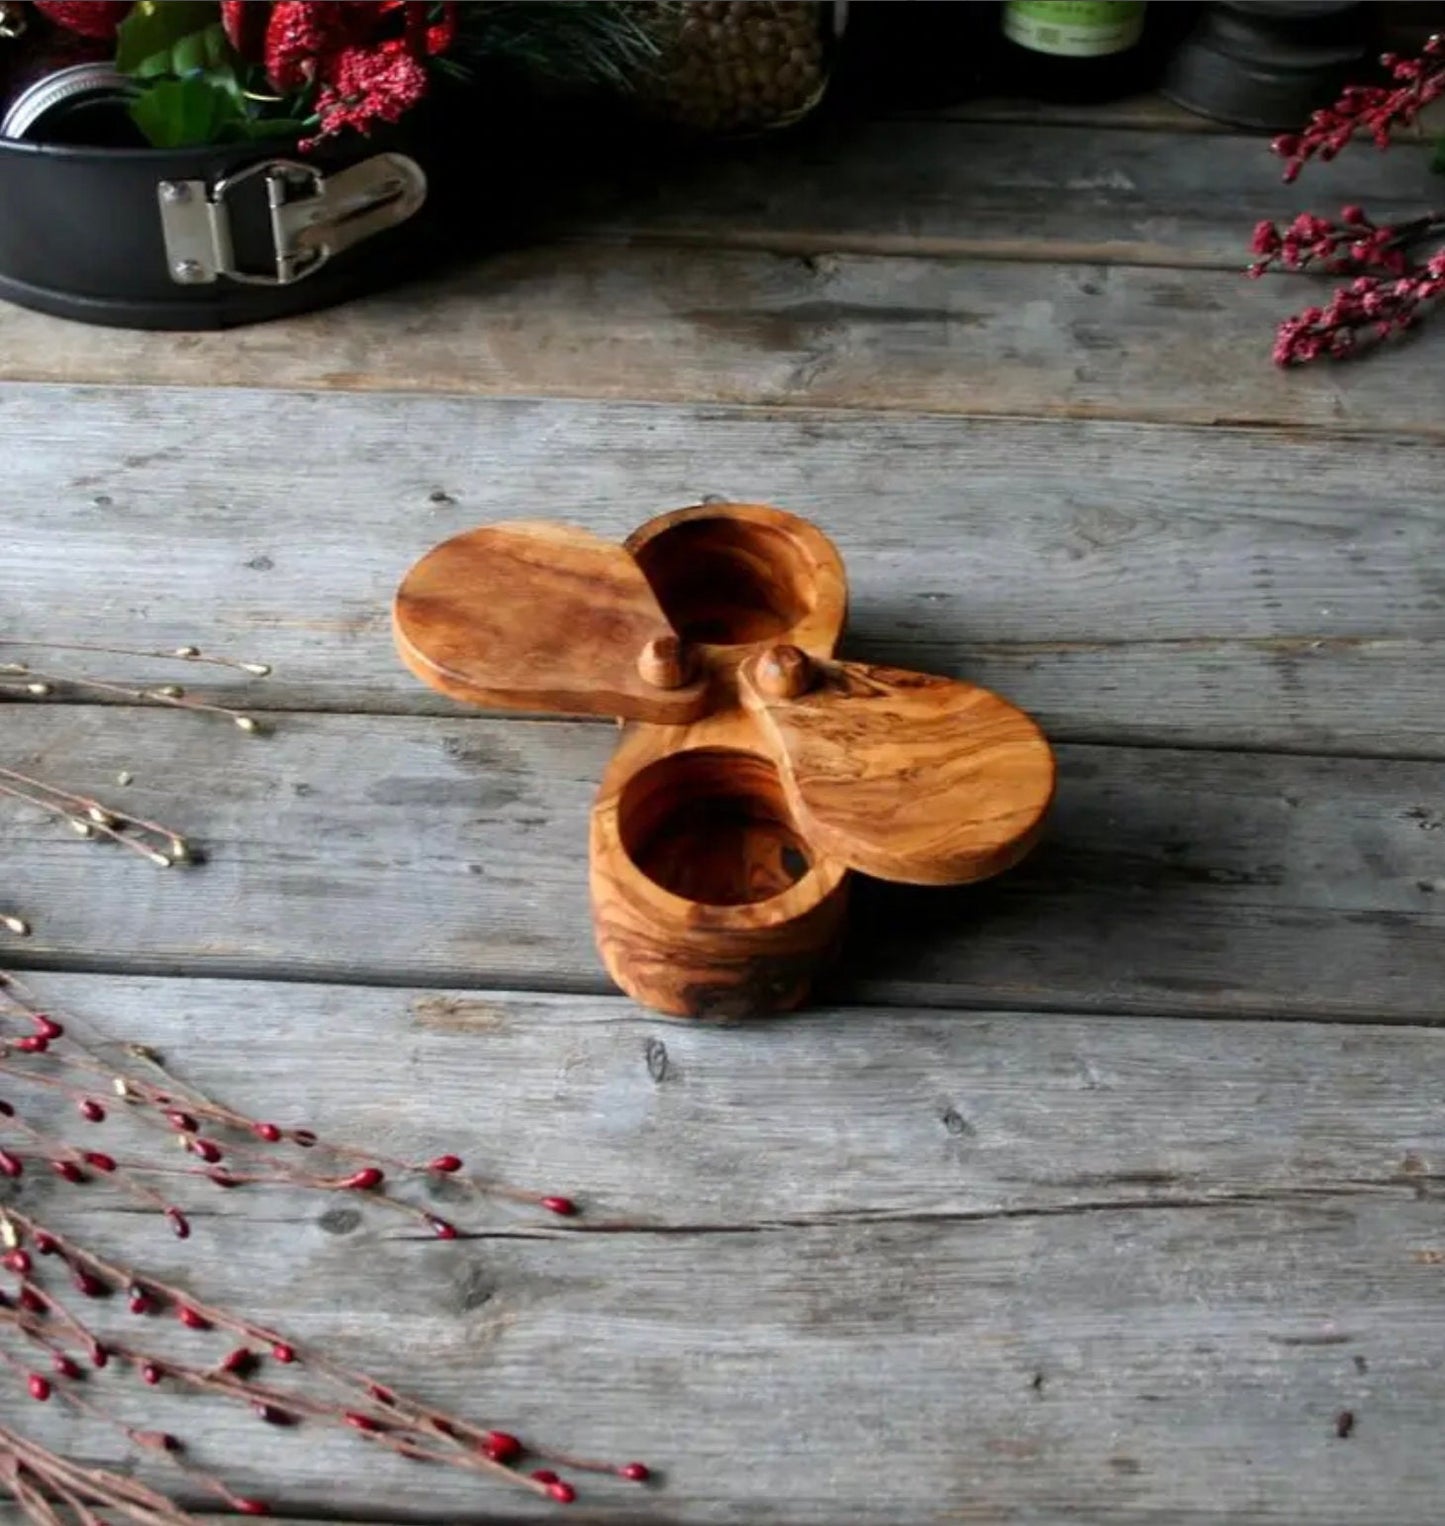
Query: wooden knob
x=665, y=663
x=784, y=672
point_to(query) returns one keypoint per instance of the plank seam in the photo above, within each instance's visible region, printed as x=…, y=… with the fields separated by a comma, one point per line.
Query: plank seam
x=913, y=246
x=1289, y=430
x=865, y=996
x=1057, y=735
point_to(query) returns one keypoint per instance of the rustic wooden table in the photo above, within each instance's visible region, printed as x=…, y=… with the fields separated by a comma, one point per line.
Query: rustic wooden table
x=1094, y=1194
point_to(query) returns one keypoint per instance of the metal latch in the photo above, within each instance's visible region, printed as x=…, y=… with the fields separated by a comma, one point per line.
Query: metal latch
x=313, y=216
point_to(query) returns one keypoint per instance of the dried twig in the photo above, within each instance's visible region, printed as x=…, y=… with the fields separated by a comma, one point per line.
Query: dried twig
x=191, y=654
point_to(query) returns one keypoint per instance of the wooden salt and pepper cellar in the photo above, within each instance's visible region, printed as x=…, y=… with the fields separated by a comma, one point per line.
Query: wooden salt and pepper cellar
x=755, y=771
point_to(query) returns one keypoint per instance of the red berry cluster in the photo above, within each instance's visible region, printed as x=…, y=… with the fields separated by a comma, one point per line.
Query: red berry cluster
x=1393, y=287
x=1369, y=309
x=1355, y=244
x=366, y=61
x=1375, y=109
x=228, y=1152
x=33, y=1318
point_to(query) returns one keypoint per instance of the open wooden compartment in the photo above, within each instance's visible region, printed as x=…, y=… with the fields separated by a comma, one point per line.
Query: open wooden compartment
x=734, y=575
x=756, y=771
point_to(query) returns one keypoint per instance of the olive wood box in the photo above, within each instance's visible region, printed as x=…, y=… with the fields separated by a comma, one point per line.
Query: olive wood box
x=755, y=772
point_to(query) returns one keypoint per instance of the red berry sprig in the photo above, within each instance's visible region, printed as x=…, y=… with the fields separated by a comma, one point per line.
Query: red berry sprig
x=1392, y=289
x=231, y=1151
x=1378, y=110
x=372, y=1410
x=50, y=1343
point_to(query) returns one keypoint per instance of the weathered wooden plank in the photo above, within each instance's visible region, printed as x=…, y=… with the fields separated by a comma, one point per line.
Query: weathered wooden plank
x=1014, y=1268
x=1131, y=583
x=1020, y=190
x=381, y=848
x=882, y=1112
x=977, y=337
x=1149, y=112
x=11, y=1516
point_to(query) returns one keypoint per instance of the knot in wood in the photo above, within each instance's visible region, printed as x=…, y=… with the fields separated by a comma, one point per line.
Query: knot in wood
x=784, y=672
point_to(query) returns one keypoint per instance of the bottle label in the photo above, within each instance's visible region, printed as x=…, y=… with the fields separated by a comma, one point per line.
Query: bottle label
x=1074, y=28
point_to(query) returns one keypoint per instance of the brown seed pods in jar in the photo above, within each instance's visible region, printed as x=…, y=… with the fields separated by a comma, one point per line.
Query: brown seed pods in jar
x=738, y=66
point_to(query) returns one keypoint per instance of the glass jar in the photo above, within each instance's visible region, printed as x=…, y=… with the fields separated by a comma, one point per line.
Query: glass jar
x=741, y=66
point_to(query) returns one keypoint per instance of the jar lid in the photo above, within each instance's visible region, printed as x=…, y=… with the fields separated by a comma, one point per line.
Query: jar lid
x=44, y=104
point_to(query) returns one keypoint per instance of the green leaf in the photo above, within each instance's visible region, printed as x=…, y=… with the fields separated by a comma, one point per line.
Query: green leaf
x=170, y=37
x=206, y=51
x=224, y=78
x=178, y=113
x=273, y=127
x=1438, y=162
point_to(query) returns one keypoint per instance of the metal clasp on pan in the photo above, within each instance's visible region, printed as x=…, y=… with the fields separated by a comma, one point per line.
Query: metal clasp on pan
x=313, y=216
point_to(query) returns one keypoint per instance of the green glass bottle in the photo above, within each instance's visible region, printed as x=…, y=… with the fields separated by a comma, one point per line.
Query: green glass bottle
x=1076, y=50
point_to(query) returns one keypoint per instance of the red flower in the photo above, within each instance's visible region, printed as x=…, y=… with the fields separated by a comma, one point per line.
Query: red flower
x=86, y=18
x=369, y=85
x=245, y=26
x=366, y=59
x=301, y=35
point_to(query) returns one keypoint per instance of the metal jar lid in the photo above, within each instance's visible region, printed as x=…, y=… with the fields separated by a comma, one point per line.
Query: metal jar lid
x=39, y=110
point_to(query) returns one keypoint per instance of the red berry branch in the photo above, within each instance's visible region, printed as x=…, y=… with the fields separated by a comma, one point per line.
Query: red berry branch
x=1380, y=110
x=371, y=1409
x=1394, y=283
x=52, y=1351
x=236, y=1149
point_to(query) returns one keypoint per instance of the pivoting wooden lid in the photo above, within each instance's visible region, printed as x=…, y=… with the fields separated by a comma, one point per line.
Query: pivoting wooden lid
x=543, y=617
x=901, y=775
x=897, y=774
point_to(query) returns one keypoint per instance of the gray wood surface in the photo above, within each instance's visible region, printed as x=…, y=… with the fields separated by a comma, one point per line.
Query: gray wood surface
x=1006, y=1231
x=979, y=337
x=939, y=266
x=430, y=849
x=887, y=1266
x=1150, y=111
x=1024, y=190
x=1125, y=582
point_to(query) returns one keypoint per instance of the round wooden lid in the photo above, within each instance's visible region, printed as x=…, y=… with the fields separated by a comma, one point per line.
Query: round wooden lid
x=542, y=617
x=902, y=775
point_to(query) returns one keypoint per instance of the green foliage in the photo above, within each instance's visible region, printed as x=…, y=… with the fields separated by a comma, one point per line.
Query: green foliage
x=177, y=113
x=194, y=91
x=170, y=37
x=180, y=113
x=1438, y=162
x=609, y=43
x=198, y=90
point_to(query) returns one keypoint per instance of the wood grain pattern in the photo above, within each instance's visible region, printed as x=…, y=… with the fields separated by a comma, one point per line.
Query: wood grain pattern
x=538, y=616
x=710, y=893
x=966, y=1265
x=733, y=574
x=906, y=776
x=1066, y=192
x=1149, y=111
x=708, y=899
x=1143, y=585
x=971, y=1265
x=451, y=851
x=985, y=337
